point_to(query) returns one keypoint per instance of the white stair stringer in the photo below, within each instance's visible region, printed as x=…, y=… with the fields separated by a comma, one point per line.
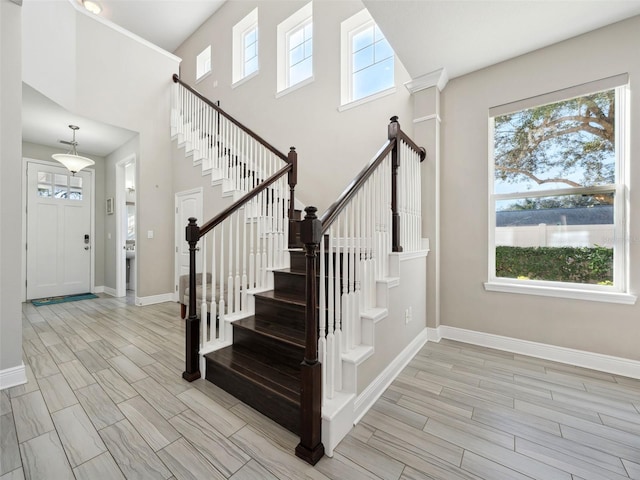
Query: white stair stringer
x=349, y=405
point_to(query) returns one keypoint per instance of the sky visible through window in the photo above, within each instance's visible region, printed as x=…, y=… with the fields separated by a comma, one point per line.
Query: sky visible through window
x=250, y=44
x=301, y=53
x=372, y=62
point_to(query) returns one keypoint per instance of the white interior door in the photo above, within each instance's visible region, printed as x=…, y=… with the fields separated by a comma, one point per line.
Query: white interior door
x=58, y=231
x=188, y=204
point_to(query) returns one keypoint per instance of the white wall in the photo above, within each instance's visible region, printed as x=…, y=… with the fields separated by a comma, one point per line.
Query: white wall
x=332, y=146
x=119, y=80
x=597, y=327
x=10, y=189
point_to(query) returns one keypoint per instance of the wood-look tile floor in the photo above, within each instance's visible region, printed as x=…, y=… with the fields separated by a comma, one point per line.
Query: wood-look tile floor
x=105, y=400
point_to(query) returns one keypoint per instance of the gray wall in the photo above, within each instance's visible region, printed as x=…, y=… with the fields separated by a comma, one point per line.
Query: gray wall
x=41, y=152
x=332, y=146
x=10, y=183
x=131, y=147
x=592, y=326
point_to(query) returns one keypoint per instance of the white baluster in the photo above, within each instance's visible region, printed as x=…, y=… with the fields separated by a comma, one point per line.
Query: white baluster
x=222, y=312
x=230, y=276
x=244, y=280
x=237, y=278
x=203, y=304
x=252, y=258
x=322, y=322
x=214, y=309
x=331, y=301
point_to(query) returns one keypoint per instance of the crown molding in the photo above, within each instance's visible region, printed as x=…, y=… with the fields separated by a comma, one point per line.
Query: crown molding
x=437, y=78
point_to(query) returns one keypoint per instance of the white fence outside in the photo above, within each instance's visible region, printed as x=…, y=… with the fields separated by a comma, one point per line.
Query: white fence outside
x=544, y=235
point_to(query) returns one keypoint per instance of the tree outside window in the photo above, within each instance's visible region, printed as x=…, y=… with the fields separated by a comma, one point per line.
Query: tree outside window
x=557, y=192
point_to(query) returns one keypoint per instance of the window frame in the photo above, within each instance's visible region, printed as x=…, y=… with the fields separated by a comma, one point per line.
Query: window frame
x=348, y=29
x=300, y=19
x=239, y=32
x=203, y=64
x=618, y=293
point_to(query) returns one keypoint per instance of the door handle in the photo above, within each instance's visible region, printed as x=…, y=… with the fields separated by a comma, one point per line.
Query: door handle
x=87, y=247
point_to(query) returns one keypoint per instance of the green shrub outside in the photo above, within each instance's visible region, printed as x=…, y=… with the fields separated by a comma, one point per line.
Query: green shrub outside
x=561, y=264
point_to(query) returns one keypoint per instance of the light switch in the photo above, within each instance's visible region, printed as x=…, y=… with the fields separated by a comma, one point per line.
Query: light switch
x=109, y=236
x=149, y=233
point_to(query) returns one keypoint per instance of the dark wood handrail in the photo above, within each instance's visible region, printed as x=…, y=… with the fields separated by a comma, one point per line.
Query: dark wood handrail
x=227, y=212
x=419, y=150
x=395, y=132
x=250, y=132
x=330, y=215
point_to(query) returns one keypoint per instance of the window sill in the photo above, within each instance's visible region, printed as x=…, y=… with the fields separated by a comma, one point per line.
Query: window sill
x=559, y=292
x=295, y=87
x=370, y=98
x=239, y=82
x=202, y=77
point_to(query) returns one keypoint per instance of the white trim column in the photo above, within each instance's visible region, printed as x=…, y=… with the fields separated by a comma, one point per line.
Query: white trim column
x=425, y=91
x=12, y=371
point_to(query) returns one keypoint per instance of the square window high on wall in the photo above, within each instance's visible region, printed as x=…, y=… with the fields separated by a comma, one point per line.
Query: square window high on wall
x=295, y=50
x=245, y=48
x=203, y=63
x=367, y=60
x=558, y=192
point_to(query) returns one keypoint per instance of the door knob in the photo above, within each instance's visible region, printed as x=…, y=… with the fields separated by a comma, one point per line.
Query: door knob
x=87, y=247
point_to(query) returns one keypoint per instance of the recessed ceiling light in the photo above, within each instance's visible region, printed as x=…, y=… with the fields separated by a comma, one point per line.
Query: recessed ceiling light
x=93, y=7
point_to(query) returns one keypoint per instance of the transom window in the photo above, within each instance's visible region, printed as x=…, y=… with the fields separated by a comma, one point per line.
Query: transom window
x=59, y=186
x=558, y=192
x=368, y=61
x=250, y=44
x=295, y=50
x=300, y=57
x=203, y=63
x=245, y=44
x=372, y=62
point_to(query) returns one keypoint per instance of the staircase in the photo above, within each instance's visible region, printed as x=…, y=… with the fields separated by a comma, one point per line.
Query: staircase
x=295, y=301
x=262, y=367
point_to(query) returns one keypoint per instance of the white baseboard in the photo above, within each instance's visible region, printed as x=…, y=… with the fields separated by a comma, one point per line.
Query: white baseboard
x=580, y=358
x=343, y=412
x=11, y=377
x=110, y=291
x=99, y=289
x=375, y=389
x=153, y=299
x=433, y=334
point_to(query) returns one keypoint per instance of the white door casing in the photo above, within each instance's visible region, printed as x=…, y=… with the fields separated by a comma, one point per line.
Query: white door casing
x=59, y=233
x=188, y=204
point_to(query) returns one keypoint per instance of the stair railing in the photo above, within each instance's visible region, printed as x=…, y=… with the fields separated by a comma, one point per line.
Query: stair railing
x=241, y=245
x=224, y=146
x=378, y=213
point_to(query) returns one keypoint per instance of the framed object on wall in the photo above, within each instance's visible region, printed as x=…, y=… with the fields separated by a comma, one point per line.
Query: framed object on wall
x=110, y=206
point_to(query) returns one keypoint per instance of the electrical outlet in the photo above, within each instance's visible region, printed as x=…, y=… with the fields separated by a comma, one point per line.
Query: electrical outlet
x=408, y=315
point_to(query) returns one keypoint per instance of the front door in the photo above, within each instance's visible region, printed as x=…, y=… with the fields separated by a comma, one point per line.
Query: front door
x=58, y=231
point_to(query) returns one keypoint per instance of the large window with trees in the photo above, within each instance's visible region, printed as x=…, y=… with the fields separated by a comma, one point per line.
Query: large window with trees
x=558, y=189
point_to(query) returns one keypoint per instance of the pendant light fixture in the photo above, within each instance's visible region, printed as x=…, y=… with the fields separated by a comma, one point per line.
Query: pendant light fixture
x=72, y=160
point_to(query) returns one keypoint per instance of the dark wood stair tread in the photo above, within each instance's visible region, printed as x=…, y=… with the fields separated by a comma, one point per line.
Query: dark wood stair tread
x=277, y=331
x=269, y=372
x=280, y=297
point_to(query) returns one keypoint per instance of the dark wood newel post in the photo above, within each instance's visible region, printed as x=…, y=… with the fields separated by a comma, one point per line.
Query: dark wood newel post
x=192, y=333
x=293, y=180
x=310, y=448
x=393, y=129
